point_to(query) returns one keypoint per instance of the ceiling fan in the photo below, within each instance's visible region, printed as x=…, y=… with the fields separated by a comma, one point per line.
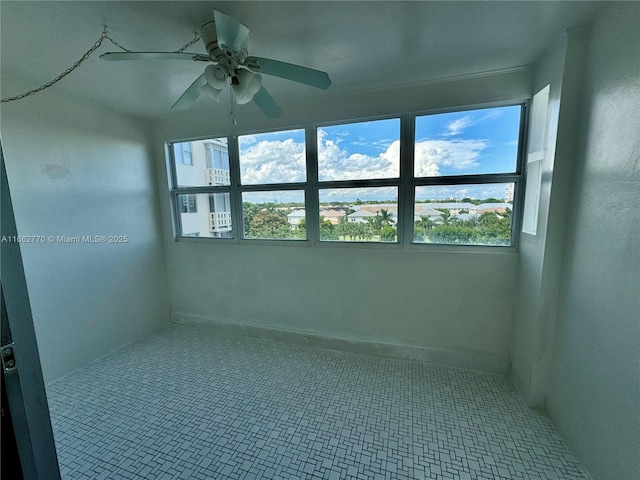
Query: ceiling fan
x=227, y=42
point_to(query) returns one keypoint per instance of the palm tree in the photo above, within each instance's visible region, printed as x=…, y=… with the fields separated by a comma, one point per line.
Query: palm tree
x=385, y=218
x=424, y=224
x=445, y=216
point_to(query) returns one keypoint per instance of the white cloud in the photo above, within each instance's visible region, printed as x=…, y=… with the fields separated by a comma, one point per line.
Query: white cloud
x=461, y=155
x=246, y=140
x=335, y=163
x=272, y=161
x=282, y=161
x=457, y=126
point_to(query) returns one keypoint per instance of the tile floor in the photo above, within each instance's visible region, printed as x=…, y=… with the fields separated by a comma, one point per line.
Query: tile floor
x=192, y=403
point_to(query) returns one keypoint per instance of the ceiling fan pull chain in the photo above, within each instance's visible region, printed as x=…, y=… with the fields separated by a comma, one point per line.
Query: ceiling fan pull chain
x=88, y=53
x=233, y=105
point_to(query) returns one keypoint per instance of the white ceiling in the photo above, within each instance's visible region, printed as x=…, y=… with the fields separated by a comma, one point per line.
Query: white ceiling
x=361, y=44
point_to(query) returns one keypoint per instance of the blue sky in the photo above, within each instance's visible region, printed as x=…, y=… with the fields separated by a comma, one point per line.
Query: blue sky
x=471, y=142
x=458, y=143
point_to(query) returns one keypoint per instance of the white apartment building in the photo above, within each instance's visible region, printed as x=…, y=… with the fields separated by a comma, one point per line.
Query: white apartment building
x=203, y=163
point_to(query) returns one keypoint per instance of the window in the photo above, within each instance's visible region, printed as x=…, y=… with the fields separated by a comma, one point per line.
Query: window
x=358, y=181
x=467, y=214
x=367, y=214
x=359, y=151
x=187, y=203
x=446, y=178
x=203, y=188
x=466, y=166
x=273, y=176
x=535, y=160
x=274, y=215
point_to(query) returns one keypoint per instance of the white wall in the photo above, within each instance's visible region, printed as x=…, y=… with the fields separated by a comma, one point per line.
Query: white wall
x=455, y=302
x=78, y=170
x=594, y=388
x=540, y=261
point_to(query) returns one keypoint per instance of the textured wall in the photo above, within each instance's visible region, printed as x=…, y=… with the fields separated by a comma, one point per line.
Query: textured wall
x=74, y=170
x=594, y=394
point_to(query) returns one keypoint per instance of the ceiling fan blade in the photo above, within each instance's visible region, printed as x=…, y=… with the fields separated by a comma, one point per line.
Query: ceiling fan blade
x=231, y=33
x=191, y=94
x=154, y=56
x=297, y=73
x=267, y=104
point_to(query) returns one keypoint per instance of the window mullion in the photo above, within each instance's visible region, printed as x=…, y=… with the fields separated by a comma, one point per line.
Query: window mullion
x=312, y=201
x=405, y=197
x=235, y=196
x=176, y=213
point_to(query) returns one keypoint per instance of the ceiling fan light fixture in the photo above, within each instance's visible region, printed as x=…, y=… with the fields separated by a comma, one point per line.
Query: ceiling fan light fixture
x=216, y=76
x=212, y=92
x=242, y=93
x=251, y=81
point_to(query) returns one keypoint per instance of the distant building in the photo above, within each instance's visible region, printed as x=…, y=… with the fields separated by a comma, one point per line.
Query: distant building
x=454, y=208
x=509, y=192
x=425, y=210
x=493, y=207
x=360, y=216
x=332, y=215
x=295, y=217
x=203, y=163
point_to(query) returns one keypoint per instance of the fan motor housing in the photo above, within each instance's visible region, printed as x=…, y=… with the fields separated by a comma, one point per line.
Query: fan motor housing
x=210, y=39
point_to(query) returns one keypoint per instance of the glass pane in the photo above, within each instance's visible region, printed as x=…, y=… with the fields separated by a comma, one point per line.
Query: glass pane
x=467, y=143
x=359, y=214
x=202, y=163
x=274, y=215
x=359, y=151
x=464, y=214
x=277, y=157
x=205, y=215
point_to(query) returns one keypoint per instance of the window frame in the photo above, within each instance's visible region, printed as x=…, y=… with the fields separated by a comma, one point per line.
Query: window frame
x=406, y=184
x=176, y=190
x=269, y=187
x=359, y=183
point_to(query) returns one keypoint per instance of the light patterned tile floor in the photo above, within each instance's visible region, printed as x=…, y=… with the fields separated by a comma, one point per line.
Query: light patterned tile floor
x=192, y=403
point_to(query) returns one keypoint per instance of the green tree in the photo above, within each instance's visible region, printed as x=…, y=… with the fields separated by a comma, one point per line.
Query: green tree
x=388, y=234
x=327, y=230
x=421, y=228
x=248, y=211
x=301, y=229
x=373, y=224
x=268, y=224
x=453, y=234
x=385, y=218
x=495, y=229
x=445, y=216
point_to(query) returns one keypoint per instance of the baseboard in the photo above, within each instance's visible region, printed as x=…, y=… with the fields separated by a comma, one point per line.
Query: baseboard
x=470, y=361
